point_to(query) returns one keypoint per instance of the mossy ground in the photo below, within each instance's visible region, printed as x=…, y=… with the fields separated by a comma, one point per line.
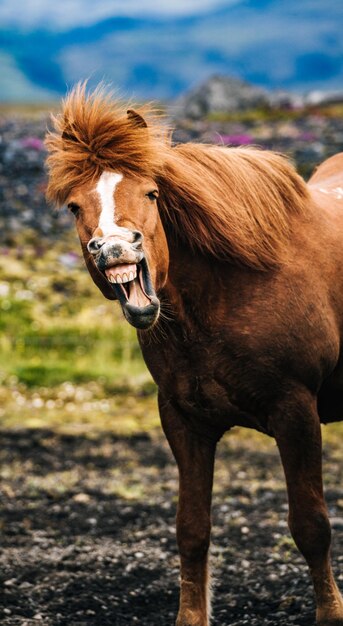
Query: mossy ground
x=68, y=359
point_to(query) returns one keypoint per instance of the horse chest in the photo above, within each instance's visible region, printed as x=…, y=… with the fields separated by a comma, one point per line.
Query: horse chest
x=202, y=381
x=200, y=393
x=211, y=405
x=185, y=371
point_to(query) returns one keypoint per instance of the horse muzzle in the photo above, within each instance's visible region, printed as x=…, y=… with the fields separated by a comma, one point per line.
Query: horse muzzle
x=123, y=262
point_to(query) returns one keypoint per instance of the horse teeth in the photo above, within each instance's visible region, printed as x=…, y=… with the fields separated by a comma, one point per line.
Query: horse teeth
x=124, y=277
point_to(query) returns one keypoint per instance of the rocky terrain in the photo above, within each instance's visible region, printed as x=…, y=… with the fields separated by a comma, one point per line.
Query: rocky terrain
x=224, y=95
x=23, y=179
x=88, y=532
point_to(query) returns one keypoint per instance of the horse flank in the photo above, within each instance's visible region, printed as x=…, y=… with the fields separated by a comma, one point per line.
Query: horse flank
x=232, y=203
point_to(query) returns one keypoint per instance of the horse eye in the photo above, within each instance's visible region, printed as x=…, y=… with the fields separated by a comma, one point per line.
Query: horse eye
x=152, y=195
x=74, y=208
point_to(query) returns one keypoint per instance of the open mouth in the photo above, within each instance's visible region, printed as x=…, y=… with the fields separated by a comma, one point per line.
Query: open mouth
x=133, y=288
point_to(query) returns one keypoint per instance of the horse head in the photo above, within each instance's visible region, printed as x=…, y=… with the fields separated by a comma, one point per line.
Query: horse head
x=103, y=163
x=123, y=241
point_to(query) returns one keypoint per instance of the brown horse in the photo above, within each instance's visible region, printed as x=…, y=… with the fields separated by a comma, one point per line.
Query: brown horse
x=248, y=261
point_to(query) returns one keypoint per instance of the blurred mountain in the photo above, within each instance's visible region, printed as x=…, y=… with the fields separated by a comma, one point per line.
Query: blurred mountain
x=289, y=45
x=219, y=94
x=225, y=95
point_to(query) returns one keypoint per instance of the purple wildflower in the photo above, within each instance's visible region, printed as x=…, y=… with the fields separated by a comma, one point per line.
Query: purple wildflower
x=238, y=139
x=32, y=143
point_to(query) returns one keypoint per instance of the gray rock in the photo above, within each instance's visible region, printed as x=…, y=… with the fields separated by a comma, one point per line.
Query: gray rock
x=281, y=99
x=220, y=94
x=323, y=98
x=337, y=523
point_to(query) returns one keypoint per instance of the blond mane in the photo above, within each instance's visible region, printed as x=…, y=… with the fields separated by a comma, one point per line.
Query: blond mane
x=231, y=203
x=235, y=203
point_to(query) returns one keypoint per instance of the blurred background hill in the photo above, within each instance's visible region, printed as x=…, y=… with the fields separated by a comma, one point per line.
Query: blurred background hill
x=158, y=50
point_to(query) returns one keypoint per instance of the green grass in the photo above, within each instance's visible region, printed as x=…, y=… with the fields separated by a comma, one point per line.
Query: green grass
x=55, y=326
x=68, y=360
x=56, y=355
x=269, y=115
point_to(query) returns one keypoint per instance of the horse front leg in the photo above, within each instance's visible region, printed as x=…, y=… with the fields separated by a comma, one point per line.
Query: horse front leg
x=195, y=460
x=298, y=435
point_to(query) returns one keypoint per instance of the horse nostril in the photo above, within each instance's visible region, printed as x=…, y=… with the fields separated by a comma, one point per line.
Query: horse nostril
x=137, y=237
x=94, y=245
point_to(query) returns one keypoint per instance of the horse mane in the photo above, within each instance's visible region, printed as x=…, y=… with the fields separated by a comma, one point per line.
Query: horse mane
x=232, y=203
x=94, y=133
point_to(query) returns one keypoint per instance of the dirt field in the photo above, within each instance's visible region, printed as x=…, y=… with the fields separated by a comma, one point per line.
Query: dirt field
x=88, y=533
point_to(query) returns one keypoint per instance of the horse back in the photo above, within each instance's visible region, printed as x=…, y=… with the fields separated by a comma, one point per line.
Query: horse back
x=328, y=177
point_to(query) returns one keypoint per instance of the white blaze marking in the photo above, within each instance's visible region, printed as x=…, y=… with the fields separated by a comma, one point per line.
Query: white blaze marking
x=106, y=187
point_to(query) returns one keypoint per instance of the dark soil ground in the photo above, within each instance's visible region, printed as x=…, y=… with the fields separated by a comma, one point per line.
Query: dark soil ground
x=88, y=533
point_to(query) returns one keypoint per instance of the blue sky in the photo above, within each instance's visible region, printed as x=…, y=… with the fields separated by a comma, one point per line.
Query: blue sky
x=67, y=13
x=158, y=50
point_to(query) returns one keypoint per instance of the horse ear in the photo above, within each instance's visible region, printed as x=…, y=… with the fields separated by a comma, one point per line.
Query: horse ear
x=136, y=119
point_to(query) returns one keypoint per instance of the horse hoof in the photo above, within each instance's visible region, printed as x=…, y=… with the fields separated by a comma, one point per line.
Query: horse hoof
x=332, y=615
x=191, y=619
x=186, y=622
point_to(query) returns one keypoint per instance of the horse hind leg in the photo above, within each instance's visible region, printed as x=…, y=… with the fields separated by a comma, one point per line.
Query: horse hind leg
x=298, y=435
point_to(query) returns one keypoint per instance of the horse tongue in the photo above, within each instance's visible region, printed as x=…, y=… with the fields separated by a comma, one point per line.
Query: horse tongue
x=137, y=296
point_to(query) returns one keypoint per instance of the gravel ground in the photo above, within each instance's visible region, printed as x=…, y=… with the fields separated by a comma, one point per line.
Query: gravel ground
x=88, y=532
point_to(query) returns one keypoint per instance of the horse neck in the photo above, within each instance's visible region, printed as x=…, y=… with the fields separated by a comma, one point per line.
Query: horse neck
x=191, y=283
x=201, y=290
